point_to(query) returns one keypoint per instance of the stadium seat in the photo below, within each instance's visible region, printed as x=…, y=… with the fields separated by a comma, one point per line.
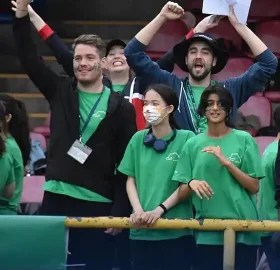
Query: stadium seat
x=195, y=5
x=263, y=10
x=32, y=189
x=232, y=39
x=273, y=96
x=259, y=106
x=40, y=138
x=45, y=129
x=263, y=142
x=235, y=67
x=169, y=34
x=269, y=33
x=179, y=72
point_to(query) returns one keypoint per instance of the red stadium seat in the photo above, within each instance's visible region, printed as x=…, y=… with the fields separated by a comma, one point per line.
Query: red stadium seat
x=259, y=106
x=269, y=33
x=170, y=33
x=32, y=189
x=40, y=138
x=235, y=67
x=263, y=10
x=233, y=40
x=273, y=96
x=45, y=129
x=194, y=5
x=179, y=72
x=263, y=142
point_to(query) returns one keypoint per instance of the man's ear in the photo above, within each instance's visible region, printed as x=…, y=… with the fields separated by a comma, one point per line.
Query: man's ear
x=104, y=64
x=214, y=61
x=8, y=117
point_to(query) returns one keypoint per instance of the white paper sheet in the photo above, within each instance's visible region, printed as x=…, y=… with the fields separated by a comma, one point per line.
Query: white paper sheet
x=221, y=7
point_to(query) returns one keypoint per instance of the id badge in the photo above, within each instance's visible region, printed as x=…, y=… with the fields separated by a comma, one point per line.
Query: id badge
x=79, y=151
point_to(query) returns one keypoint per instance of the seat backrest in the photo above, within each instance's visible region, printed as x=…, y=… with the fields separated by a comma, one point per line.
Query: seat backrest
x=179, y=72
x=259, y=106
x=269, y=33
x=233, y=40
x=32, y=189
x=168, y=35
x=37, y=136
x=235, y=67
x=261, y=10
x=263, y=142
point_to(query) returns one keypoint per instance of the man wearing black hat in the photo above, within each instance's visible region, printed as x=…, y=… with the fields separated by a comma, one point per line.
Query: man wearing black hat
x=200, y=55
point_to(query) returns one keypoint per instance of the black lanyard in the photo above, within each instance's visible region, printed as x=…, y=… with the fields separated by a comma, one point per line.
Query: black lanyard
x=82, y=130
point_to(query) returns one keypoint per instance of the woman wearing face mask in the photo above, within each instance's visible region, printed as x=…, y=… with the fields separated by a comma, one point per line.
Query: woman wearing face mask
x=7, y=177
x=222, y=166
x=149, y=162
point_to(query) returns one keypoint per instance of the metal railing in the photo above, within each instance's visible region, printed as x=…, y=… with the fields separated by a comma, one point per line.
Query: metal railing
x=230, y=227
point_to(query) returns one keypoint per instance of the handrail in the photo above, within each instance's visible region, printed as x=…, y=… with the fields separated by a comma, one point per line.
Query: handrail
x=229, y=227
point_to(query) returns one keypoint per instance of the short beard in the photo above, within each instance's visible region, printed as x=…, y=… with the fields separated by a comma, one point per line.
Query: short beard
x=201, y=76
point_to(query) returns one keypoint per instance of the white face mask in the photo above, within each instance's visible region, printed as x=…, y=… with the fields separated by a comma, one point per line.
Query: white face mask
x=152, y=115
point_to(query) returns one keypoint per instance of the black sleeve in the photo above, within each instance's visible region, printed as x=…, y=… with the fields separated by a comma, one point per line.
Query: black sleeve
x=44, y=78
x=126, y=129
x=166, y=62
x=277, y=177
x=61, y=52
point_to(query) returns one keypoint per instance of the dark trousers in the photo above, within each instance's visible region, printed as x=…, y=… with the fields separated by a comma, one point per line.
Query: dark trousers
x=163, y=254
x=86, y=246
x=210, y=257
x=273, y=258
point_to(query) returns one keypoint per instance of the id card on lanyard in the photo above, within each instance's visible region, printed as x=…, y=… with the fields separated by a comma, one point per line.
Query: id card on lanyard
x=79, y=151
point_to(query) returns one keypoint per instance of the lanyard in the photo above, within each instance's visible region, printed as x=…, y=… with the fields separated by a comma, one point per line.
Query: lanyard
x=190, y=91
x=90, y=115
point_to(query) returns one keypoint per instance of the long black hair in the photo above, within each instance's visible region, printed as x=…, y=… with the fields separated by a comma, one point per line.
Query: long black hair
x=170, y=98
x=225, y=97
x=18, y=126
x=2, y=127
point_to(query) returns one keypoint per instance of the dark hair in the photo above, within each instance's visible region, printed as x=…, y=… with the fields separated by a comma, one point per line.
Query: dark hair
x=18, y=126
x=276, y=117
x=3, y=125
x=225, y=99
x=170, y=98
x=92, y=40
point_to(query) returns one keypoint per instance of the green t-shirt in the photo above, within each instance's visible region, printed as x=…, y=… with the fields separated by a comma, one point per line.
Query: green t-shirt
x=230, y=199
x=13, y=150
x=118, y=88
x=266, y=202
x=153, y=173
x=86, y=101
x=7, y=175
x=200, y=123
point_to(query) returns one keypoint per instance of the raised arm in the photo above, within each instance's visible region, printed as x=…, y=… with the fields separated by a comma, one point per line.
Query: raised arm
x=46, y=80
x=61, y=52
x=142, y=65
x=258, y=75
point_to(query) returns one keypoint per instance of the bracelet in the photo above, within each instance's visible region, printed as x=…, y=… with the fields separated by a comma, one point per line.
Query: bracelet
x=163, y=207
x=189, y=183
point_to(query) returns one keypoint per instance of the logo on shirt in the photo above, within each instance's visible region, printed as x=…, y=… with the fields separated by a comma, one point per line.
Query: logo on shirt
x=99, y=114
x=173, y=157
x=234, y=157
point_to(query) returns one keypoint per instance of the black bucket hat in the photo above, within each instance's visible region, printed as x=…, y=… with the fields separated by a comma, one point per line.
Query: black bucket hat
x=114, y=42
x=180, y=51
